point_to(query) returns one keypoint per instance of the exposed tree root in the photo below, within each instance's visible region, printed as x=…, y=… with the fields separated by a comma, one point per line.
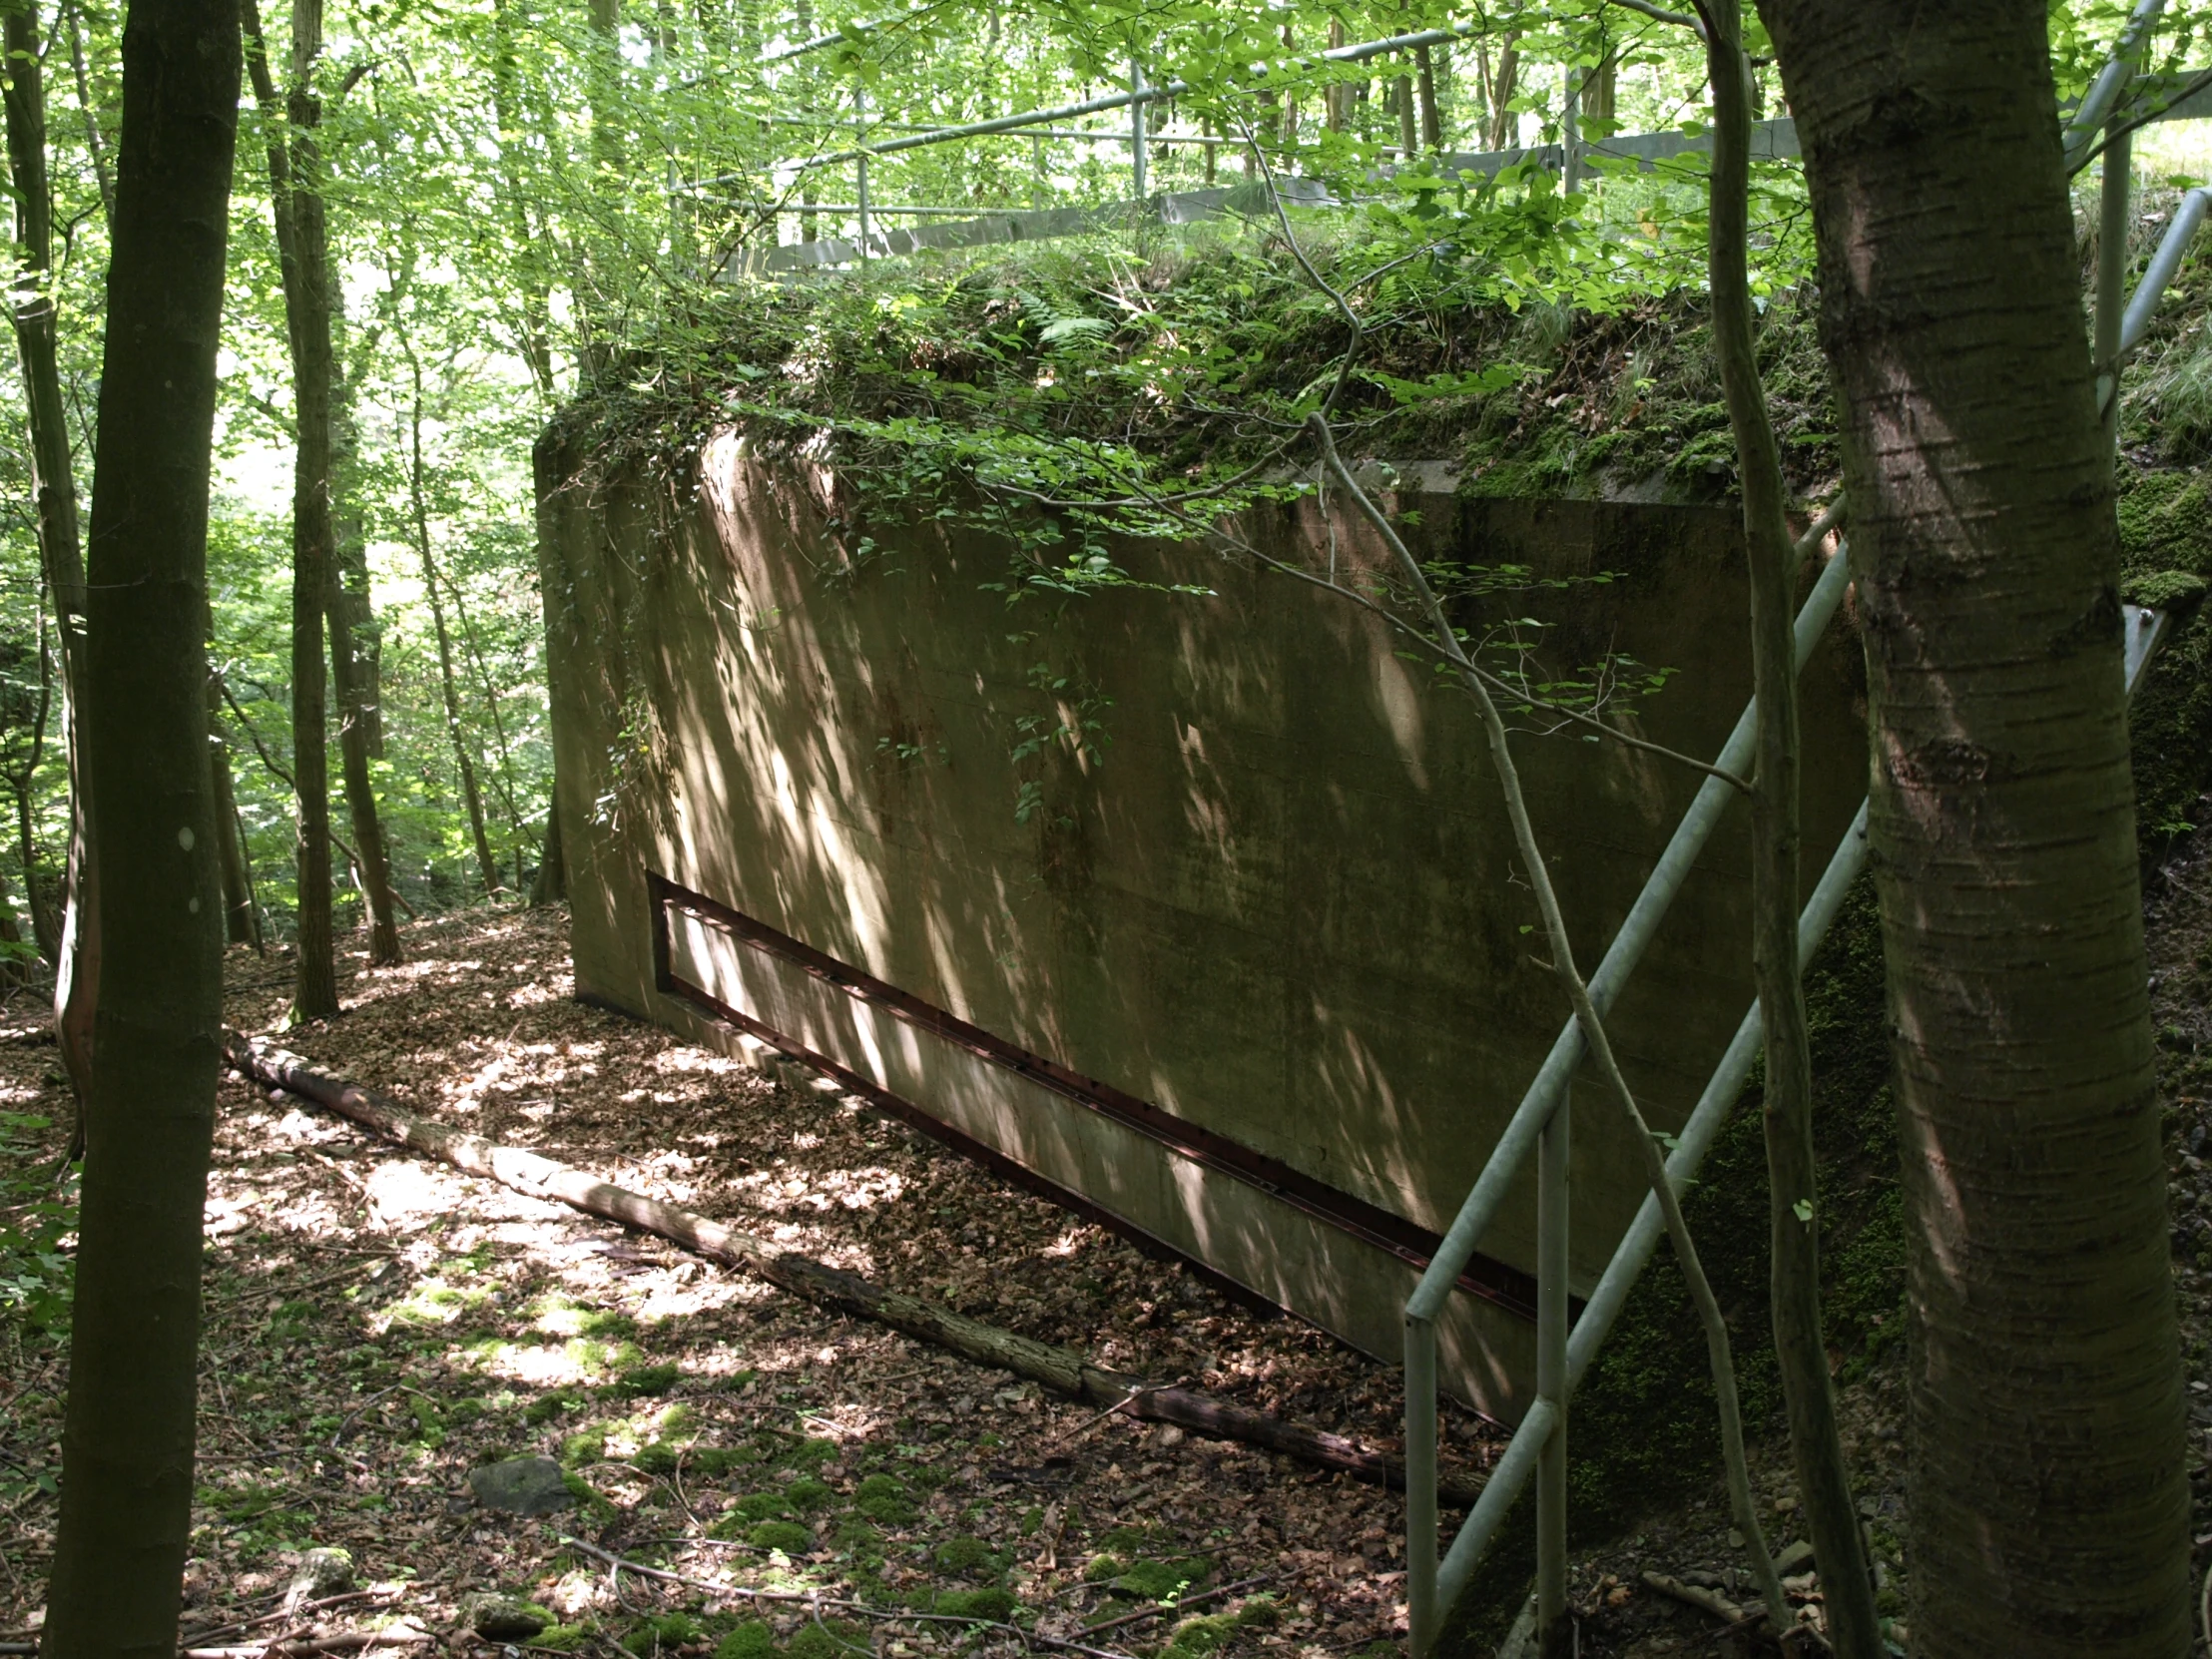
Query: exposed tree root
x=1061, y=1370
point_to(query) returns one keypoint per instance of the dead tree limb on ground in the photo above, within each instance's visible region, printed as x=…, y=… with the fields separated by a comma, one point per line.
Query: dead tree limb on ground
x=1061, y=1370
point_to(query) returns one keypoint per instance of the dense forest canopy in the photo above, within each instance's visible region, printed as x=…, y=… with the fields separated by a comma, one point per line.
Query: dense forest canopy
x=523, y=197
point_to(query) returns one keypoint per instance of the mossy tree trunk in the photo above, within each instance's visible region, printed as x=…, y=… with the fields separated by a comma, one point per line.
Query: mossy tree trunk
x=128, y=1431
x=2047, y=1495
x=54, y=492
x=1777, y=837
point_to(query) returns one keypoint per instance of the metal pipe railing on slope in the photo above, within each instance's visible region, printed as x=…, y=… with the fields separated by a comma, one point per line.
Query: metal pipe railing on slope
x=2143, y=631
x=1425, y=1579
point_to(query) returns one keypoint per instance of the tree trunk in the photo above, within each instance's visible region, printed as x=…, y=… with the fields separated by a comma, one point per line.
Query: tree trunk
x=1402, y=95
x=46, y=928
x=1431, y=117
x=1337, y=101
x=473, y=799
x=551, y=885
x=54, y=490
x=352, y=602
x=241, y=925
x=1793, y=1179
x=308, y=321
x=349, y=676
x=1499, y=85
x=2046, y=1484
x=127, y=1439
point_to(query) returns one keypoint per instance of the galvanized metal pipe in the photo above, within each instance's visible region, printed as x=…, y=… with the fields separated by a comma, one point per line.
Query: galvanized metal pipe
x=2158, y=275
x=1421, y=1496
x=1635, y=936
x=1553, y=1201
x=2104, y=92
x=1635, y=1250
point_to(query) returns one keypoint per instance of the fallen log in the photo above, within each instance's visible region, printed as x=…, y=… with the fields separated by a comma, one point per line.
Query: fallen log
x=1061, y=1370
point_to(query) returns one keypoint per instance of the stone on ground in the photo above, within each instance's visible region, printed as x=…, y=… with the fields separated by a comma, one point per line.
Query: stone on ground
x=522, y=1487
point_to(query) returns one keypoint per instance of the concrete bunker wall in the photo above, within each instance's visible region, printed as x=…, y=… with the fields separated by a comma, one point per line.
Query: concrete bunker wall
x=1256, y=978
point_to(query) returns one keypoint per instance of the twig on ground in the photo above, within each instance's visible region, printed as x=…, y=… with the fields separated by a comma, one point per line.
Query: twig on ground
x=1175, y=1606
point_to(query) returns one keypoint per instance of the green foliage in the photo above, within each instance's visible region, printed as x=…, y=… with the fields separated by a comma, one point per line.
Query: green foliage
x=37, y=1219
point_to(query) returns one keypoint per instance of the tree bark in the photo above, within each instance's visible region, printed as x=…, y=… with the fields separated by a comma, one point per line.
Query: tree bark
x=241, y=925
x=1499, y=84
x=1793, y=1179
x=1431, y=117
x=2047, y=1493
x=307, y=322
x=46, y=928
x=470, y=794
x=551, y=885
x=351, y=675
x=54, y=488
x=128, y=1431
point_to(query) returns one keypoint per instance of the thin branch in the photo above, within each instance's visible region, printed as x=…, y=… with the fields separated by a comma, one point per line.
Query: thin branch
x=1599, y=1045
x=1681, y=20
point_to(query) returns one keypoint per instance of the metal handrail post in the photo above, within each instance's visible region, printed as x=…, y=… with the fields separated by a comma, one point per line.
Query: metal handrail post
x=2114, y=212
x=1137, y=162
x=1421, y=1482
x=1551, y=1381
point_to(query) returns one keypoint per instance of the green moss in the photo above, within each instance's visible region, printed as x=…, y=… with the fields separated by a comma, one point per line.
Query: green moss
x=664, y=1630
x=752, y=1639
x=968, y=1555
x=807, y=1493
x=1159, y=1580
x=1210, y=1632
x=883, y=1499
x=656, y=1457
x=586, y=1447
x=788, y=1537
x=650, y=1380
x=994, y=1604
x=1104, y=1568
x=562, y=1638
x=812, y=1455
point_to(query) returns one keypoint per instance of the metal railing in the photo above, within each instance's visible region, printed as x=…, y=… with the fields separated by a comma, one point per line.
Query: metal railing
x=1539, y=1125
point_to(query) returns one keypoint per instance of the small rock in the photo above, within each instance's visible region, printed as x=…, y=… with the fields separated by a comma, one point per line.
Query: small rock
x=1171, y=1436
x=522, y=1487
x=1735, y=1539
x=320, y=1573
x=500, y=1618
x=1794, y=1559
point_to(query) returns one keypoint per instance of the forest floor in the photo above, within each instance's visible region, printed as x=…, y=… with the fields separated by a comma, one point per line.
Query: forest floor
x=379, y=1325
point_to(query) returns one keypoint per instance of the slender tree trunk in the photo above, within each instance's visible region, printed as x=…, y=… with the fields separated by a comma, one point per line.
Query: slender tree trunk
x=1499, y=87
x=54, y=488
x=307, y=320
x=1431, y=117
x=46, y=928
x=351, y=677
x=241, y=925
x=1776, y=835
x=1337, y=100
x=95, y=146
x=551, y=885
x=2046, y=1481
x=353, y=601
x=462, y=757
x=127, y=1440
x=1402, y=95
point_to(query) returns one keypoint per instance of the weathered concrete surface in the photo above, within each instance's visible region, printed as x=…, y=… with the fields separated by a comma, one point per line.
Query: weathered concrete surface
x=1279, y=902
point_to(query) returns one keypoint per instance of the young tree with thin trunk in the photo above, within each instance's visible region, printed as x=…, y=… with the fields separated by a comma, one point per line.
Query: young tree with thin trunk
x=1775, y=837
x=128, y=1429
x=54, y=490
x=2049, y=1500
